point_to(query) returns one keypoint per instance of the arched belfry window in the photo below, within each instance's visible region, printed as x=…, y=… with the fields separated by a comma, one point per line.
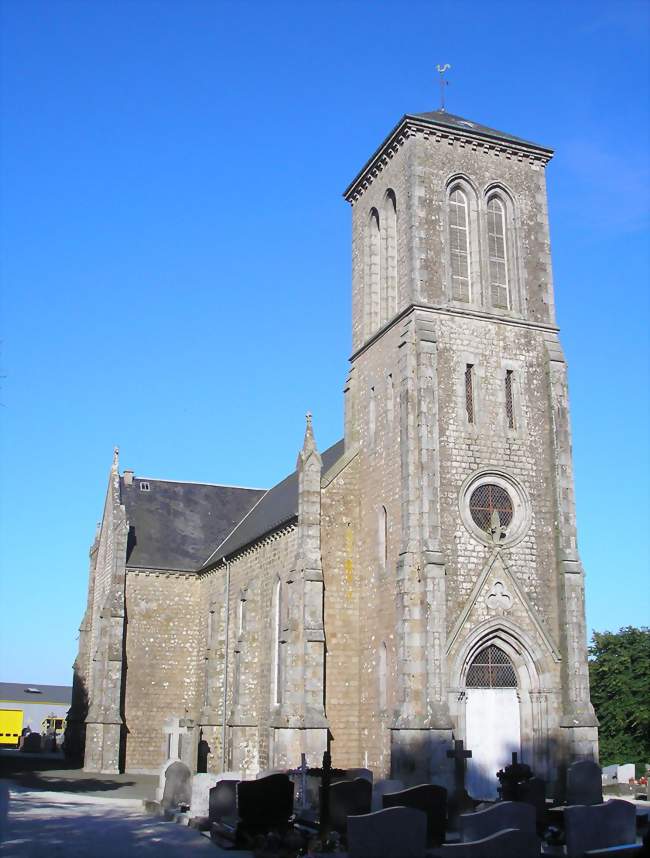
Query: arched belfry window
x=389, y=266
x=491, y=669
x=373, y=274
x=459, y=243
x=497, y=251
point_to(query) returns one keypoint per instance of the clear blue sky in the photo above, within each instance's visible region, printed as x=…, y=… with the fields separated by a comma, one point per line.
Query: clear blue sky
x=176, y=252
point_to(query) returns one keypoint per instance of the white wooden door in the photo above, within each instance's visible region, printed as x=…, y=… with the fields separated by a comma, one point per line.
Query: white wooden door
x=492, y=734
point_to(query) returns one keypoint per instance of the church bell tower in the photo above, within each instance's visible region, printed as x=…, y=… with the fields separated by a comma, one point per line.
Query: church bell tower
x=457, y=403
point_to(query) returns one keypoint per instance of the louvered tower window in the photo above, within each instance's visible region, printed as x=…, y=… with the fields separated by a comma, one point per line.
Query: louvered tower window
x=510, y=408
x=469, y=392
x=459, y=244
x=496, y=219
x=491, y=669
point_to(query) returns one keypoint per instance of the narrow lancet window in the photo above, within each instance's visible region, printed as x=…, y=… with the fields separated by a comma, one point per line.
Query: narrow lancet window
x=510, y=407
x=469, y=392
x=374, y=273
x=372, y=419
x=459, y=244
x=382, y=537
x=277, y=678
x=389, y=268
x=383, y=671
x=390, y=401
x=497, y=253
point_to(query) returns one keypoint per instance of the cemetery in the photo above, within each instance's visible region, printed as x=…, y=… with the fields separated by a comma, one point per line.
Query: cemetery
x=309, y=811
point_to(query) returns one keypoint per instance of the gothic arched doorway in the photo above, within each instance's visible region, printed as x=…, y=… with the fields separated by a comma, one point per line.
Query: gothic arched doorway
x=492, y=719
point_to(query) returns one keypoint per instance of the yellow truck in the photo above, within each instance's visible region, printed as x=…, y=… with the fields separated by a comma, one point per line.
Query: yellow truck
x=11, y=723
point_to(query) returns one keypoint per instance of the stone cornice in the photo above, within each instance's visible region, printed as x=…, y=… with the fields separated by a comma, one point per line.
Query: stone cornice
x=452, y=311
x=411, y=126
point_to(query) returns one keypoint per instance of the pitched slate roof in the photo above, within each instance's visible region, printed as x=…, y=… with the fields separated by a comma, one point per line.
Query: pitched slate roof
x=441, y=117
x=20, y=692
x=176, y=525
x=278, y=506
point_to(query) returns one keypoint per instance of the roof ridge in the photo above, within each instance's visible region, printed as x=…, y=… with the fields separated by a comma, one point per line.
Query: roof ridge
x=198, y=483
x=241, y=520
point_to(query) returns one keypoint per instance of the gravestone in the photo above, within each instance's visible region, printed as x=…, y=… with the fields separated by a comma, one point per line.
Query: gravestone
x=366, y=774
x=263, y=805
x=504, y=814
x=432, y=801
x=584, y=783
x=626, y=773
x=533, y=792
x=609, y=774
x=459, y=800
x=177, y=791
x=31, y=743
x=599, y=826
x=397, y=832
x=381, y=788
x=174, y=729
x=348, y=798
x=202, y=783
x=222, y=802
x=510, y=843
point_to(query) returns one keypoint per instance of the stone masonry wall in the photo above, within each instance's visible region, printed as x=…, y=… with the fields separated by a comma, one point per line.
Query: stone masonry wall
x=340, y=535
x=253, y=575
x=162, y=677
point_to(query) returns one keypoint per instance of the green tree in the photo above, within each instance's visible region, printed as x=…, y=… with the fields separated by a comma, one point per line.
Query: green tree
x=619, y=671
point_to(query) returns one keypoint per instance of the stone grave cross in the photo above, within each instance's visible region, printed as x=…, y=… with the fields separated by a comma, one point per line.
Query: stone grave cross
x=459, y=756
x=174, y=728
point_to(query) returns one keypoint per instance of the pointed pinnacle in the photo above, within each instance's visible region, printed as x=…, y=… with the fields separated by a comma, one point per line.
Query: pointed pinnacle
x=116, y=458
x=309, y=442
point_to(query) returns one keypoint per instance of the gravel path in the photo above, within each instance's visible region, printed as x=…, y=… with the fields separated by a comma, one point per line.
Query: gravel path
x=57, y=824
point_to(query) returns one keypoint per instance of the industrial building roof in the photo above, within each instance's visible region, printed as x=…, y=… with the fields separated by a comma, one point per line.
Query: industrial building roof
x=26, y=692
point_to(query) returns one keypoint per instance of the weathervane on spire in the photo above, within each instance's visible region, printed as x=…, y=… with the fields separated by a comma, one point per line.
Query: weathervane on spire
x=443, y=83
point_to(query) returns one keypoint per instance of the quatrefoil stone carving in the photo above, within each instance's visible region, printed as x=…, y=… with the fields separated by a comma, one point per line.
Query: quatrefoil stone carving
x=499, y=599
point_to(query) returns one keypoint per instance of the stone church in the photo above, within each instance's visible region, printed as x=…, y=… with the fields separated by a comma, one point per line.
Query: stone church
x=417, y=582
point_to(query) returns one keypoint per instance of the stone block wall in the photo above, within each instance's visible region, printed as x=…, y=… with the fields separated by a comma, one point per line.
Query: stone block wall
x=253, y=576
x=163, y=638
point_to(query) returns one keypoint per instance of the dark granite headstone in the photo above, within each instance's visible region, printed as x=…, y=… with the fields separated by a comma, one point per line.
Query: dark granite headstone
x=32, y=743
x=533, y=791
x=584, y=783
x=397, y=832
x=265, y=804
x=348, y=798
x=599, y=826
x=510, y=843
x=431, y=799
x=502, y=815
x=223, y=802
x=178, y=786
x=352, y=774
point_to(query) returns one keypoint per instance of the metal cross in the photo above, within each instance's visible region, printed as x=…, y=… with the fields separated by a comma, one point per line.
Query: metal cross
x=458, y=755
x=443, y=84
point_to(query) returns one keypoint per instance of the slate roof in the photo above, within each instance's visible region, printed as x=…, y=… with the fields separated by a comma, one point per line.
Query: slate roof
x=17, y=692
x=441, y=117
x=448, y=120
x=278, y=506
x=176, y=525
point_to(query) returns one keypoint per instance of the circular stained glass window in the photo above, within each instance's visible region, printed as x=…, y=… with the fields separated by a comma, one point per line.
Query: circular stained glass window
x=487, y=499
